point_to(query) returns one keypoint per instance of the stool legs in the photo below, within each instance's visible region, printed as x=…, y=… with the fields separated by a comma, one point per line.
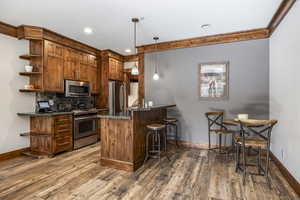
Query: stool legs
x=169, y=124
x=267, y=168
x=220, y=142
x=147, y=147
x=155, y=151
x=244, y=165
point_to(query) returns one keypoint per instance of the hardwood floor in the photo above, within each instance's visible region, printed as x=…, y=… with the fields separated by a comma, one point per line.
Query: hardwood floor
x=191, y=174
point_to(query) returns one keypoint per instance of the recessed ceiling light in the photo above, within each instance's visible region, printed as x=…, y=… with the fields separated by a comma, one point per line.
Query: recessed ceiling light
x=127, y=50
x=88, y=30
x=205, y=26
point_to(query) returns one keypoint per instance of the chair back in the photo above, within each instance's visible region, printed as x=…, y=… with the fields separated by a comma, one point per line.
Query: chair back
x=215, y=120
x=260, y=128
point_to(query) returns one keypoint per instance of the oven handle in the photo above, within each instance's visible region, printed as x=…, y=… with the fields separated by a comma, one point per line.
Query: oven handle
x=85, y=118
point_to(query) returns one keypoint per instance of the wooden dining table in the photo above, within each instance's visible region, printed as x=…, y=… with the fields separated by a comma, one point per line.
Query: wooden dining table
x=248, y=122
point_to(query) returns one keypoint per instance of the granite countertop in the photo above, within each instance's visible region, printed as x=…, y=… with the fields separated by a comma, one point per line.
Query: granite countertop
x=122, y=115
x=151, y=107
x=128, y=115
x=37, y=114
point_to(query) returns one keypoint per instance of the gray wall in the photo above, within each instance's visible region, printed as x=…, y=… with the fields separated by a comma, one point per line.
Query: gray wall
x=285, y=92
x=248, y=83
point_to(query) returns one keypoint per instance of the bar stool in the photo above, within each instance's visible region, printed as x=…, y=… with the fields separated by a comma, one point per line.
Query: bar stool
x=216, y=126
x=172, y=122
x=156, y=132
x=261, y=129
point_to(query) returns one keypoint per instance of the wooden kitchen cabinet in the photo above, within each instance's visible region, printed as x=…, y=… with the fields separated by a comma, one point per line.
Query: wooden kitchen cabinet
x=53, y=67
x=50, y=135
x=53, y=63
x=115, y=69
x=81, y=67
x=71, y=64
x=92, y=76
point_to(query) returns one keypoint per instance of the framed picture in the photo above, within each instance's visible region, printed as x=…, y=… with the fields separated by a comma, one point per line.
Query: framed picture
x=214, y=81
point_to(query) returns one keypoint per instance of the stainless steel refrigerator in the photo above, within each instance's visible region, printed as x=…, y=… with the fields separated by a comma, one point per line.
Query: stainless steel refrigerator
x=117, y=98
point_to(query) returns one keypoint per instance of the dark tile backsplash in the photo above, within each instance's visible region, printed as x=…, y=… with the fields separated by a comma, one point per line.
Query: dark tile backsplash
x=62, y=103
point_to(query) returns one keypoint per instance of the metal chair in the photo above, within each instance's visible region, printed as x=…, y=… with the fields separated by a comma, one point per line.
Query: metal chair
x=156, y=132
x=172, y=122
x=261, y=131
x=216, y=126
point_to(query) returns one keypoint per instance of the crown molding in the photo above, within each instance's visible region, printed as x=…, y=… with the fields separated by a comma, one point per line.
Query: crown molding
x=279, y=15
x=206, y=40
x=8, y=29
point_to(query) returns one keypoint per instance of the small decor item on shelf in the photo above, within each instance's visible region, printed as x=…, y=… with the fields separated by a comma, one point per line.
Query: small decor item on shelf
x=214, y=81
x=28, y=87
x=28, y=68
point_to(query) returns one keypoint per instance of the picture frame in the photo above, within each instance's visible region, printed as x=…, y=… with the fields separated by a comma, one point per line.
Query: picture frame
x=213, y=81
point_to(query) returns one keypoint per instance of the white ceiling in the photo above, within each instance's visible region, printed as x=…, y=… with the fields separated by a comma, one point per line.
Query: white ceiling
x=111, y=19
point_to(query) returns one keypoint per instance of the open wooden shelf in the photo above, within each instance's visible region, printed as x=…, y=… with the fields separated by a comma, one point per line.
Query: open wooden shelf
x=27, y=57
x=34, y=154
x=30, y=73
x=30, y=90
x=25, y=134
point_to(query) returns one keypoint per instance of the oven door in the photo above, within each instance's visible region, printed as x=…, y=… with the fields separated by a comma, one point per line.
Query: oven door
x=77, y=89
x=85, y=126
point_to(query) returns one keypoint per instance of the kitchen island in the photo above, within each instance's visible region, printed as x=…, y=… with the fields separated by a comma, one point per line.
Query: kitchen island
x=123, y=136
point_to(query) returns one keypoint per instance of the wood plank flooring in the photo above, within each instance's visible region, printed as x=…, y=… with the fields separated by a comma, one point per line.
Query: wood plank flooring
x=191, y=174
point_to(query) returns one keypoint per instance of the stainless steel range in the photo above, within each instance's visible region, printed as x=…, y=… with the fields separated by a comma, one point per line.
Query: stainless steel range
x=85, y=128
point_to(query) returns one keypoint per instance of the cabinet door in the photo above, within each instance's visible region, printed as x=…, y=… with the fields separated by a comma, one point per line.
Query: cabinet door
x=70, y=64
x=112, y=69
x=92, y=60
x=53, y=67
x=120, y=73
x=92, y=75
x=83, y=68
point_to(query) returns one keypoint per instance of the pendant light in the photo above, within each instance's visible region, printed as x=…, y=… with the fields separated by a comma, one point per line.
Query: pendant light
x=135, y=70
x=156, y=75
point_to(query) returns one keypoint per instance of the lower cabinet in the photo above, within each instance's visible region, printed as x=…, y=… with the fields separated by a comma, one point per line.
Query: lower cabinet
x=51, y=134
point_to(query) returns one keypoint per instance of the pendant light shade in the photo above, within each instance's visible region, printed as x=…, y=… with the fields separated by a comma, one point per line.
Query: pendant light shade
x=135, y=70
x=156, y=75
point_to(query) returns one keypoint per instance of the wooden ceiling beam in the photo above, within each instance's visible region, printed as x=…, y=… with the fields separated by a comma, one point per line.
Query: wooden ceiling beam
x=206, y=40
x=281, y=12
x=8, y=29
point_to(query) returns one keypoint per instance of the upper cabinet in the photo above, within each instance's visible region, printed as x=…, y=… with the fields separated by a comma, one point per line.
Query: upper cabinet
x=53, y=67
x=115, y=69
x=53, y=63
x=71, y=64
x=81, y=67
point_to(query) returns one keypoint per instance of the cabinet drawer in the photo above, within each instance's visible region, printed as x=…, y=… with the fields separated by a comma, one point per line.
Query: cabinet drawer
x=63, y=144
x=63, y=132
x=62, y=119
x=63, y=126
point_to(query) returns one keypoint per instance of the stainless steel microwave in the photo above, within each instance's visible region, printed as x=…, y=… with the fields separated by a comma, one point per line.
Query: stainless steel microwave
x=77, y=89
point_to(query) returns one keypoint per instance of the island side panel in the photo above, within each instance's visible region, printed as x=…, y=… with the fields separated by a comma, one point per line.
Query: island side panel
x=117, y=144
x=140, y=120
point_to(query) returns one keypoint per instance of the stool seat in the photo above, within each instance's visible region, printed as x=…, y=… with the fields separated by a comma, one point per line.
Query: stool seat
x=255, y=142
x=170, y=120
x=156, y=127
x=221, y=131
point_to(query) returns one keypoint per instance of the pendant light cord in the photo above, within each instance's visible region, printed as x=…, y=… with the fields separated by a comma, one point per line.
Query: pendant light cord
x=135, y=37
x=156, y=64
